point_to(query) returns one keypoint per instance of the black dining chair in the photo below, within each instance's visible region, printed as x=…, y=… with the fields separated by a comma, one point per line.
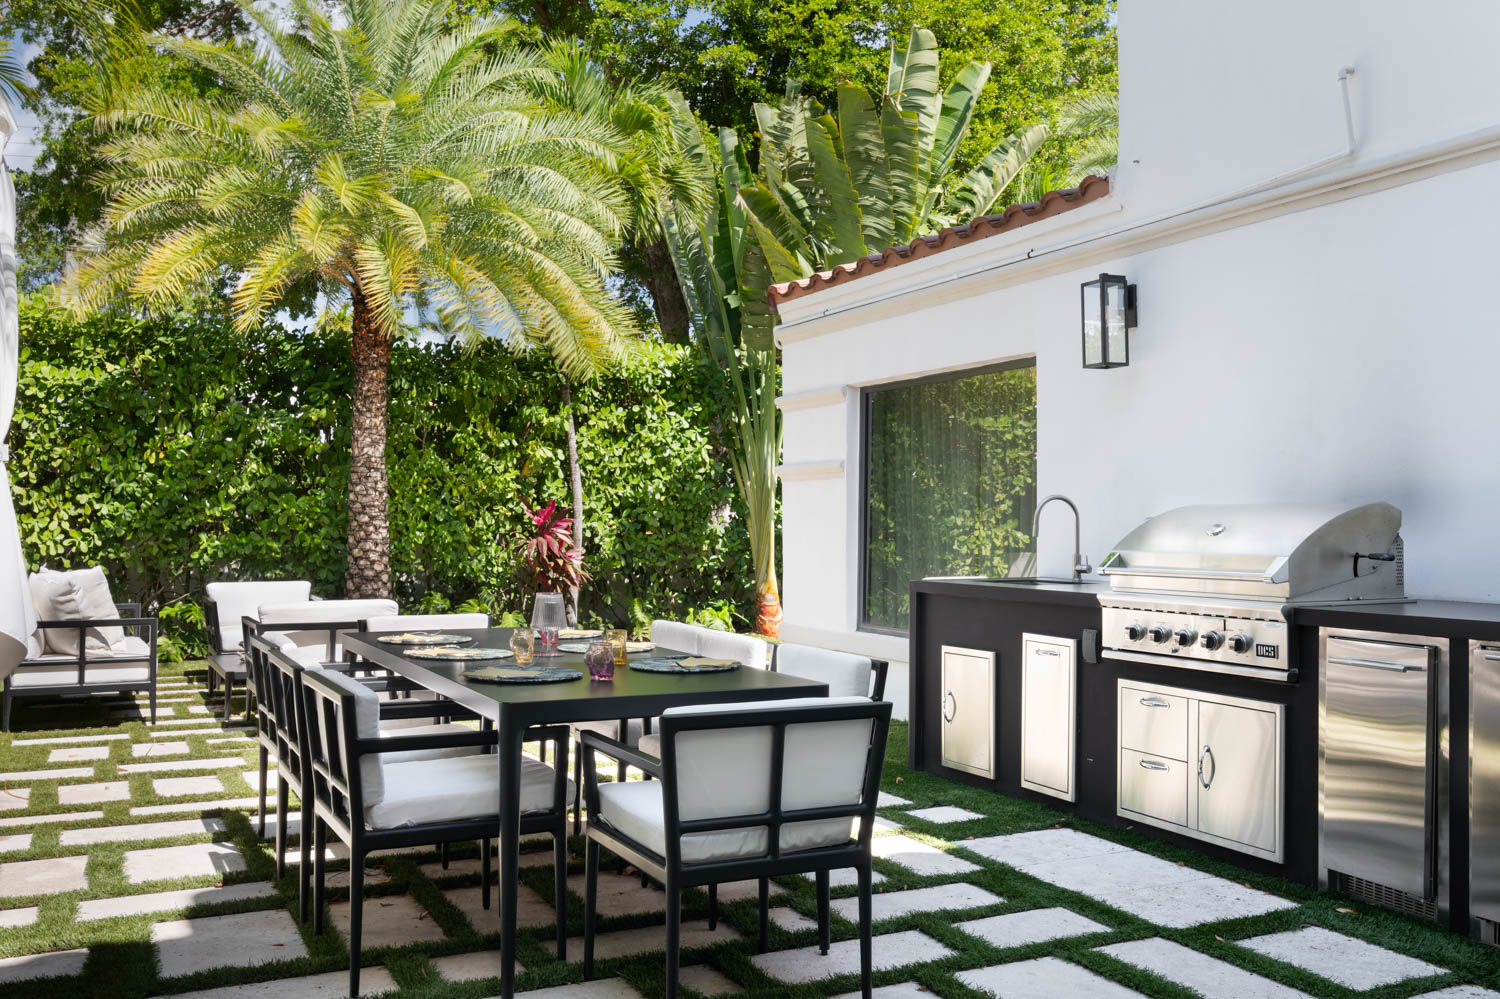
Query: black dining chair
x=778, y=815
x=361, y=794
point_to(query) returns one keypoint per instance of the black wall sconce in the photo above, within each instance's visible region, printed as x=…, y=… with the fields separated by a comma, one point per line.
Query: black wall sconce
x=1108, y=315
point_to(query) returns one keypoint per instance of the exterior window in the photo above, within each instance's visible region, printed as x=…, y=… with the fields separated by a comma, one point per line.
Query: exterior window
x=950, y=483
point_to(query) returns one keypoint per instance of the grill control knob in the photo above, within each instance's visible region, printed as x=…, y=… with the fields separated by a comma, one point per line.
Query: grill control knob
x=1240, y=642
x=1185, y=637
x=1160, y=633
x=1211, y=640
x=1135, y=632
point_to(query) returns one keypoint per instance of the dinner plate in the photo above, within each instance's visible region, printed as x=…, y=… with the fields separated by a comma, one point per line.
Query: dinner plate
x=631, y=648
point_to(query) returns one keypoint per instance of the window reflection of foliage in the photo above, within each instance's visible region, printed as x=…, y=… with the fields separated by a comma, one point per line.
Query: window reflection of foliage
x=952, y=483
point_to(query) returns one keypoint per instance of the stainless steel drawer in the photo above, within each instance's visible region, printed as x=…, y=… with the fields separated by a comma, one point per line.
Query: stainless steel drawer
x=1153, y=723
x=1154, y=786
x=1484, y=774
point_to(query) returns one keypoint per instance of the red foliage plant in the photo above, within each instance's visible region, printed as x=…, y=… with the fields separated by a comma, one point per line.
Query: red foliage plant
x=555, y=563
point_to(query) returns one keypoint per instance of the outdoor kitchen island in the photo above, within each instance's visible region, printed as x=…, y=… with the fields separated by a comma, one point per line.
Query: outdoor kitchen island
x=1005, y=620
x=952, y=620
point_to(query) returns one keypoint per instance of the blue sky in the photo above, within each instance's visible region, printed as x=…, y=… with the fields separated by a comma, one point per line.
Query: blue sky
x=23, y=147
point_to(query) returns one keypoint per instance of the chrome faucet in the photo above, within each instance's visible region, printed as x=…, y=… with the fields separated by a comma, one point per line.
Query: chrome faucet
x=1080, y=563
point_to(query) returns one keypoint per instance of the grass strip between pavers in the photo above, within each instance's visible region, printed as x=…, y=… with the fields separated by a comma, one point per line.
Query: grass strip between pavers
x=122, y=961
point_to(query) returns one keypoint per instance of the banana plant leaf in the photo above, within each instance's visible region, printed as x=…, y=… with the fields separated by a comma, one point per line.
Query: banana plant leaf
x=865, y=153
x=977, y=193
x=959, y=101
x=842, y=230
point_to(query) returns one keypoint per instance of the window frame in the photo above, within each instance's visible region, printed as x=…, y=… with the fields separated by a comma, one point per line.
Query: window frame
x=867, y=395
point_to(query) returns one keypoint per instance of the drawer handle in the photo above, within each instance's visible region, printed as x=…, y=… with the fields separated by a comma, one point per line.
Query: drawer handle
x=1213, y=767
x=1153, y=765
x=1155, y=702
x=949, y=699
x=1047, y=652
x=1492, y=657
x=1389, y=667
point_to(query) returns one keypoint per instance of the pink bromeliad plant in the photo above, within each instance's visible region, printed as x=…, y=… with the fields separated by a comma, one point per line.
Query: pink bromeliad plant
x=556, y=564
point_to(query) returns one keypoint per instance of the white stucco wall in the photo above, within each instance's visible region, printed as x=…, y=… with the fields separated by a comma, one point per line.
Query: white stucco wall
x=1335, y=338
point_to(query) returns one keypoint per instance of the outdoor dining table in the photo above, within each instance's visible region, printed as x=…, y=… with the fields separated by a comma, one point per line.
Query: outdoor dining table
x=517, y=707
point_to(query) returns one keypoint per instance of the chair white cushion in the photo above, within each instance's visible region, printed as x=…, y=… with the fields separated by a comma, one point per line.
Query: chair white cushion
x=611, y=730
x=65, y=673
x=389, y=731
x=635, y=809
x=443, y=790
x=725, y=772
x=700, y=641
x=426, y=622
x=318, y=612
x=366, y=726
x=847, y=675
x=675, y=635
x=650, y=744
x=82, y=594
x=234, y=601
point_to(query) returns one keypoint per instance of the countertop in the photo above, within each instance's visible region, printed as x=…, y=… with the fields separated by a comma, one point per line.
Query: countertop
x=1083, y=594
x=1470, y=619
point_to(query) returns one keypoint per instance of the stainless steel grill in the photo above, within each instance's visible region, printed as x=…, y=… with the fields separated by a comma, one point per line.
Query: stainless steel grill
x=1209, y=587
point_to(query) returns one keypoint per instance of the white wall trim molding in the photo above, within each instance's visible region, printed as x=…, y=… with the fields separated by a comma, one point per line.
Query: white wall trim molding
x=1014, y=262
x=817, y=398
x=808, y=471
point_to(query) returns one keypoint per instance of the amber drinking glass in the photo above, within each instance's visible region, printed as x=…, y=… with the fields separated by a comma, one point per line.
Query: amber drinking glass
x=617, y=637
x=522, y=643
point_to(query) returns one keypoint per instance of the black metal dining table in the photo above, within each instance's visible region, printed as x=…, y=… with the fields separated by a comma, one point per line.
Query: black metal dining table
x=517, y=707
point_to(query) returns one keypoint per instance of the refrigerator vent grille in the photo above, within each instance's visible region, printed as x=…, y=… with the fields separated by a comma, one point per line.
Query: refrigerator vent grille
x=1382, y=895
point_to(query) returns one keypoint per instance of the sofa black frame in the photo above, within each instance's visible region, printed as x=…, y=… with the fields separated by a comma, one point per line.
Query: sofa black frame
x=132, y=621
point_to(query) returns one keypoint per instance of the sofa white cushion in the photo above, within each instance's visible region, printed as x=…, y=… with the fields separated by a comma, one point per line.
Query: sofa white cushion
x=82, y=594
x=65, y=673
x=443, y=790
x=847, y=675
x=610, y=729
x=650, y=744
x=426, y=622
x=366, y=726
x=233, y=601
x=318, y=612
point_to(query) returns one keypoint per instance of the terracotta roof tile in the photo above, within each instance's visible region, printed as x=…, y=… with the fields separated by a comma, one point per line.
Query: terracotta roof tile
x=1052, y=203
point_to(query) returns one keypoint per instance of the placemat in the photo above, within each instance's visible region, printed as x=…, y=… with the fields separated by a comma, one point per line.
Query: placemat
x=684, y=664
x=522, y=674
x=450, y=654
x=425, y=638
x=631, y=648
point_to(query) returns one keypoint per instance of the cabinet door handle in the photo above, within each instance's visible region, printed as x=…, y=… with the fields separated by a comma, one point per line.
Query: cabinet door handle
x=1155, y=702
x=1047, y=652
x=949, y=700
x=1153, y=765
x=1492, y=657
x=1213, y=767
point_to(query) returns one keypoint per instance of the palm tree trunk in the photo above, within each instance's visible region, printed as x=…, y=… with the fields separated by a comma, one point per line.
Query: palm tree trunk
x=575, y=476
x=369, y=562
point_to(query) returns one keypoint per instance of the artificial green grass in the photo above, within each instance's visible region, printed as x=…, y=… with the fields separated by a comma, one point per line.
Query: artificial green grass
x=122, y=961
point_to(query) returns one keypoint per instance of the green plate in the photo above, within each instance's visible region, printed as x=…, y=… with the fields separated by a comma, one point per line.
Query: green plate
x=425, y=638
x=522, y=674
x=457, y=655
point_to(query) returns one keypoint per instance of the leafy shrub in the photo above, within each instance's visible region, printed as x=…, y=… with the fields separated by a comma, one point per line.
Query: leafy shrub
x=174, y=451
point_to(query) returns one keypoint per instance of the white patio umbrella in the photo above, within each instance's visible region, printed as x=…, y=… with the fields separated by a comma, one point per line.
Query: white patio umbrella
x=17, y=615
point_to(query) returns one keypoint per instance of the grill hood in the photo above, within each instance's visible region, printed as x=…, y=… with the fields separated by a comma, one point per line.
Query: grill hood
x=1285, y=552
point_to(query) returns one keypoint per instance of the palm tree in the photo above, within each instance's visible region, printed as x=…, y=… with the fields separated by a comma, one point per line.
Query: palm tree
x=367, y=151
x=1095, y=120
x=829, y=189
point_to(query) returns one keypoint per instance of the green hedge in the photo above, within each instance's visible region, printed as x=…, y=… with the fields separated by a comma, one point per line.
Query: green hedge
x=174, y=452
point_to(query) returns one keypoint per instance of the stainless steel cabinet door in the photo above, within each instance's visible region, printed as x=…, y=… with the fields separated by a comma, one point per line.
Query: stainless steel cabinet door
x=1484, y=772
x=968, y=710
x=1378, y=761
x=1047, y=715
x=1237, y=772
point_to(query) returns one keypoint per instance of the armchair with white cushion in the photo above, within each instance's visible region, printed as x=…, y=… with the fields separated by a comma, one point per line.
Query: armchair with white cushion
x=229, y=603
x=85, y=643
x=371, y=792
x=694, y=640
x=778, y=815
